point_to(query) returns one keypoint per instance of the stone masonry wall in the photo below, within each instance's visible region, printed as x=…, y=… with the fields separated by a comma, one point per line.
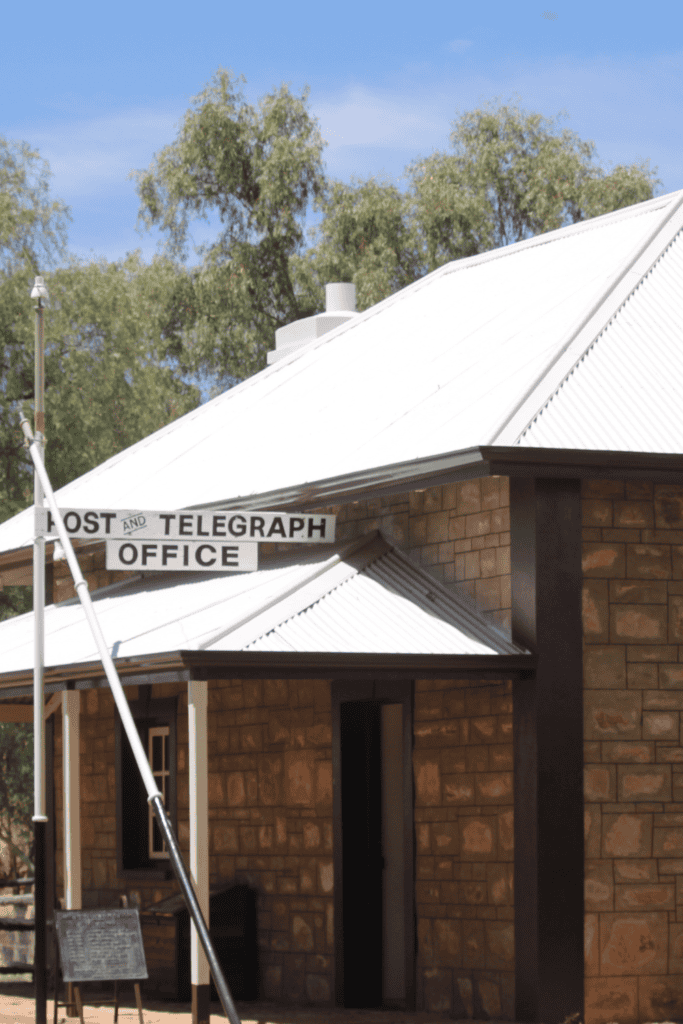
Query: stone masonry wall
x=464, y=846
x=270, y=821
x=270, y=817
x=101, y=885
x=633, y=698
x=92, y=565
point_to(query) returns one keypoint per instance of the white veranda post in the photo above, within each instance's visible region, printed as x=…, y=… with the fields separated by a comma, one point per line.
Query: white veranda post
x=71, y=707
x=197, y=700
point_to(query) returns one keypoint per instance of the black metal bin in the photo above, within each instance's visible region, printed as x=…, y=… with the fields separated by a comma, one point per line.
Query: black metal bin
x=232, y=926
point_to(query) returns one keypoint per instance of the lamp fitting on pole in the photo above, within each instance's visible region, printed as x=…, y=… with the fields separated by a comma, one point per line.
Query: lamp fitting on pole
x=39, y=290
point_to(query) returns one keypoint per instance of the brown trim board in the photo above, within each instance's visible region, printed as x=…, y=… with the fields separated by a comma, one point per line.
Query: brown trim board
x=180, y=666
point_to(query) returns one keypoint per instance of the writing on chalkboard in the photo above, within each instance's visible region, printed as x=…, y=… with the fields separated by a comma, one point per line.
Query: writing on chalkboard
x=100, y=945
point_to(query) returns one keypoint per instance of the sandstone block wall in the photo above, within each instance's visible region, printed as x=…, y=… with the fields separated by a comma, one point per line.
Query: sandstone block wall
x=633, y=698
x=270, y=817
x=270, y=822
x=464, y=848
x=101, y=884
x=92, y=562
x=270, y=825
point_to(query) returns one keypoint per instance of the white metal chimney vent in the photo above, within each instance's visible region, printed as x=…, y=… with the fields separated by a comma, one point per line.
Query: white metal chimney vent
x=340, y=306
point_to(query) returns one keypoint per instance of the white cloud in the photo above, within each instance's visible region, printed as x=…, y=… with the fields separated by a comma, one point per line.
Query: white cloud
x=361, y=116
x=625, y=105
x=90, y=155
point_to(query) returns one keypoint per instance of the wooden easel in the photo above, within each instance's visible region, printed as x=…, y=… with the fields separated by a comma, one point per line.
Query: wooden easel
x=73, y=991
x=73, y=994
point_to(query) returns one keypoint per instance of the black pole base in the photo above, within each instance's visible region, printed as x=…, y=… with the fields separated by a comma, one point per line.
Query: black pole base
x=194, y=909
x=40, y=911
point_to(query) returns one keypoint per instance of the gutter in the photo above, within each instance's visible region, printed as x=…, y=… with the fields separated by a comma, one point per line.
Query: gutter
x=182, y=666
x=467, y=464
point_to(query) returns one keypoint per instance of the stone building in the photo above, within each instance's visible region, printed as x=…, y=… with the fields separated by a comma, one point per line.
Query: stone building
x=445, y=749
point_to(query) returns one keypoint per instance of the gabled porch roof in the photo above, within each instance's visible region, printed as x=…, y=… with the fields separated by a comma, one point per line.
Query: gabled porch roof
x=365, y=598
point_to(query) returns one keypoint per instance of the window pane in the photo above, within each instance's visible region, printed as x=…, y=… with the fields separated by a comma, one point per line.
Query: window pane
x=161, y=785
x=157, y=840
x=157, y=753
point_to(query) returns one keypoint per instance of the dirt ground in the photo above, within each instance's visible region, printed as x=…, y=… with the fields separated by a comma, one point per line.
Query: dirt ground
x=17, y=1006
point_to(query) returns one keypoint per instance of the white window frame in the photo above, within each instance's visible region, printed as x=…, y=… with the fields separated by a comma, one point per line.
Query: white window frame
x=162, y=778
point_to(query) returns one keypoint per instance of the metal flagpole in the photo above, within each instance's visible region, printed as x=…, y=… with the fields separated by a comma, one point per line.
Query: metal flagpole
x=39, y=293
x=154, y=797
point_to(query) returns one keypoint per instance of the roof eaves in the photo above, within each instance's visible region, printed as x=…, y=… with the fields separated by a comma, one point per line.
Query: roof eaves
x=467, y=464
x=581, y=335
x=207, y=665
x=584, y=463
x=391, y=478
x=302, y=664
x=434, y=470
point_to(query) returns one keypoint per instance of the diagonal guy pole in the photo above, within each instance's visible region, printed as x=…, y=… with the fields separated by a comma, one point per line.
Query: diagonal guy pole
x=153, y=795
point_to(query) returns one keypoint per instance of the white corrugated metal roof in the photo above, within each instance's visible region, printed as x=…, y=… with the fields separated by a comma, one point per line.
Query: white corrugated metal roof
x=623, y=393
x=465, y=357
x=365, y=598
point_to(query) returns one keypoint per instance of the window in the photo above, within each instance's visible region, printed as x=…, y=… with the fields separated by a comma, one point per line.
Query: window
x=157, y=755
x=140, y=846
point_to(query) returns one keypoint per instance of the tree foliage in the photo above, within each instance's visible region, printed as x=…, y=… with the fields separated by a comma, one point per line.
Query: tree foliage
x=32, y=237
x=115, y=367
x=512, y=174
x=16, y=790
x=111, y=377
x=366, y=237
x=32, y=225
x=257, y=170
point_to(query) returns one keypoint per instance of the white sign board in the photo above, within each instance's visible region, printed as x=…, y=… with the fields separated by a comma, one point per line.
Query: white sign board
x=186, y=525
x=174, y=556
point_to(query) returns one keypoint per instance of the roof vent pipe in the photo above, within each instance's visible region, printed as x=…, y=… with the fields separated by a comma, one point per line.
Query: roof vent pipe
x=340, y=306
x=340, y=298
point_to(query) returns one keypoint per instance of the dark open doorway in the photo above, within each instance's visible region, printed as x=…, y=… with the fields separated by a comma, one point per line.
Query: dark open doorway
x=374, y=896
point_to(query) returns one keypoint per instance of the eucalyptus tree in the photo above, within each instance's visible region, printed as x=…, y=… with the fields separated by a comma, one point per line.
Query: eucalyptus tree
x=254, y=171
x=510, y=174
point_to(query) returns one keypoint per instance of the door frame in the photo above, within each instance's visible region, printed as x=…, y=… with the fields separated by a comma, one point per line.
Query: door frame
x=394, y=692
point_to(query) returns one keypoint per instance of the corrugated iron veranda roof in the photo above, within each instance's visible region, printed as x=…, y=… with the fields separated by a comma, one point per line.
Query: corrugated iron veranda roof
x=365, y=597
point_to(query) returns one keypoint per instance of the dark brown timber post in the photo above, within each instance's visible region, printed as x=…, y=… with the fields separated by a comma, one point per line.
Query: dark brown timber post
x=548, y=750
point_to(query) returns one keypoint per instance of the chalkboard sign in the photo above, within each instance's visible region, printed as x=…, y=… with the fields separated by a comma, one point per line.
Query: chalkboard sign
x=100, y=945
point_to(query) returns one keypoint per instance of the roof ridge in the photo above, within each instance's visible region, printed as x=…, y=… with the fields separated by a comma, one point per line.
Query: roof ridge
x=586, y=352
x=593, y=321
x=398, y=569
x=461, y=604
x=556, y=234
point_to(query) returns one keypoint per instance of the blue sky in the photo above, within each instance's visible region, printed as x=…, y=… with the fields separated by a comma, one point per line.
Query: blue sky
x=98, y=89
